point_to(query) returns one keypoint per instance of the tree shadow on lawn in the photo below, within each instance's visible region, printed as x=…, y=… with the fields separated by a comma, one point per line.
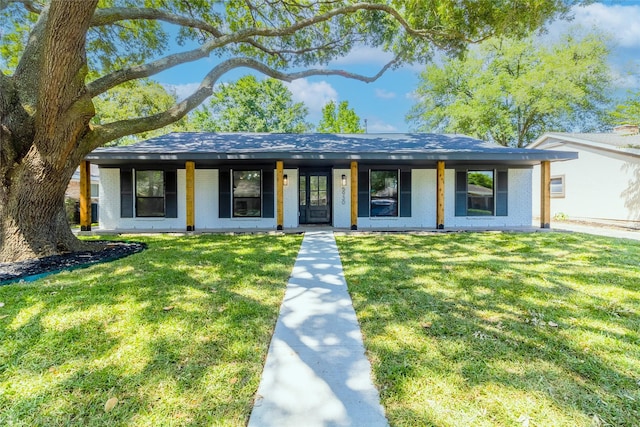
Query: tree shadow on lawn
x=177, y=333
x=492, y=327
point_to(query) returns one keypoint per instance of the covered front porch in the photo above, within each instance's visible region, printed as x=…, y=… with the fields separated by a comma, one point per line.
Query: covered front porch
x=209, y=182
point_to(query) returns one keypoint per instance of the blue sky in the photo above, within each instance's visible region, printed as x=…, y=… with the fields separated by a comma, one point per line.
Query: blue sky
x=385, y=102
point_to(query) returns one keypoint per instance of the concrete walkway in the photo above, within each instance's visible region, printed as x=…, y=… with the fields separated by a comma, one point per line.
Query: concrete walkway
x=597, y=230
x=316, y=373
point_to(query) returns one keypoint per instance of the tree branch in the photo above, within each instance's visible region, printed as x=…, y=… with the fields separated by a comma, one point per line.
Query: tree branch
x=102, y=134
x=109, y=81
x=112, y=15
x=28, y=68
x=30, y=5
x=118, y=77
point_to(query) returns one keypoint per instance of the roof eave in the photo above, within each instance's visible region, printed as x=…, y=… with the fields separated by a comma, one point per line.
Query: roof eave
x=535, y=157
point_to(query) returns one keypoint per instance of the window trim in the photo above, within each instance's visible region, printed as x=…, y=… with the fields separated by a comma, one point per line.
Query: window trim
x=136, y=197
x=557, y=194
x=233, y=196
x=397, y=196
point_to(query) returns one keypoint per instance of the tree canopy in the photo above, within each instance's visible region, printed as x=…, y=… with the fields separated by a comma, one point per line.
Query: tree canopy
x=627, y=112
x=251, y=105
x=134, y=99
x=58, y=56
x=511, y=91
x=342, y=120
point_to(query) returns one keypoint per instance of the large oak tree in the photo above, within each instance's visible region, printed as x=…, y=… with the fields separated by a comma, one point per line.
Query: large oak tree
x=59, y=55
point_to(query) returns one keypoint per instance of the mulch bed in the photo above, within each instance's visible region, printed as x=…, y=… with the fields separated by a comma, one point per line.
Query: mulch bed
x=35, y=268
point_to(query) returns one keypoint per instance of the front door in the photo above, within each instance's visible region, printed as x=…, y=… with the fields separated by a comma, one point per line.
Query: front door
x=315, y=197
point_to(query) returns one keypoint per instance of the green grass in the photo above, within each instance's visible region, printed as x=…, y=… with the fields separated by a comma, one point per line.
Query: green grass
x=71, y=341
x=500, y=329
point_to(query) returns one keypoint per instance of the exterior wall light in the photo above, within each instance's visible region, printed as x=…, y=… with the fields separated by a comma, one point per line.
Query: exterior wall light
x=344, y=180
x=285, y=180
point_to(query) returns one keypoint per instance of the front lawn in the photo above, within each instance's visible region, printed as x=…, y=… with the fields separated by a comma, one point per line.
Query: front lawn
x=175, y=335
x=500, y=329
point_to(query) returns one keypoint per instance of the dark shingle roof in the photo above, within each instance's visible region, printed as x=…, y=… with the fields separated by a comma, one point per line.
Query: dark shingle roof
x=418, y=147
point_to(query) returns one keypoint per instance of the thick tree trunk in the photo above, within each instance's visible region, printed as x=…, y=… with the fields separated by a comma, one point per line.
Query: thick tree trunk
x=33, y=220
x=44, y=118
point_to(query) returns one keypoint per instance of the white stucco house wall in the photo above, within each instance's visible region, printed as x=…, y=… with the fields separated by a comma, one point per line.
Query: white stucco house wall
x=602, y=185
x=210, y=181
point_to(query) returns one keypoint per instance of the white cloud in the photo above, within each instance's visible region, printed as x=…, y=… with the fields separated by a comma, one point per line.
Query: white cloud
x=625, y=80
x=385, y=94
x=181, y=90
x=364, y=55
x=623, y=21
x=314, y=94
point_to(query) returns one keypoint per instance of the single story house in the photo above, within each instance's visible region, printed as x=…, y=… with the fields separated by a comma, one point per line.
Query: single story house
x=603, y=185
x=214, y=181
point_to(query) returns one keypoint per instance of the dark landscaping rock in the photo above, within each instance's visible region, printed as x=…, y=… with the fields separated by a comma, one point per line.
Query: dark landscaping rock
x=35, y=268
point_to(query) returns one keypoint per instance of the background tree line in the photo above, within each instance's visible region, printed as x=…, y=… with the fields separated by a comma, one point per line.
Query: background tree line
x=509, y=91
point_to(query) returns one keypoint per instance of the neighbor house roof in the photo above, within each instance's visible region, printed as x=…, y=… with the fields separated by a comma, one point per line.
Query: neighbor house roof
x=612, y=142
x=414, y=148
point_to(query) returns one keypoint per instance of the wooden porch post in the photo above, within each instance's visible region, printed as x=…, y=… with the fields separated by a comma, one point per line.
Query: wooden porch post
x=280, y=194
x=190, y=167
x=440, y=196
x=85, y=196
x=545, y=194
x=354, y=195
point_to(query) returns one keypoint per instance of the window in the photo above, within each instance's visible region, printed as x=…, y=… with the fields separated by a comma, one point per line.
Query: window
x=318, y=190
x=557, y=186
x=480, y=194
x=384, y=193
x=95, y=190
x=246, y=193
x=150, y=194
x=303, y=190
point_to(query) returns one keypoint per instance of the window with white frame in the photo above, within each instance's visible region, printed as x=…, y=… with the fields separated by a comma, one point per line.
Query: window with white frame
x=557, y=186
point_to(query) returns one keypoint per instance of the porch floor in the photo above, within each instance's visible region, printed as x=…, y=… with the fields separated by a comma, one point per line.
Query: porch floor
x=311, y=228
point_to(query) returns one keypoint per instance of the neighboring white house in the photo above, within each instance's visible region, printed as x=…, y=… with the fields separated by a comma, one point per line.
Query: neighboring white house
x=603, y=185
x=209, y=181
